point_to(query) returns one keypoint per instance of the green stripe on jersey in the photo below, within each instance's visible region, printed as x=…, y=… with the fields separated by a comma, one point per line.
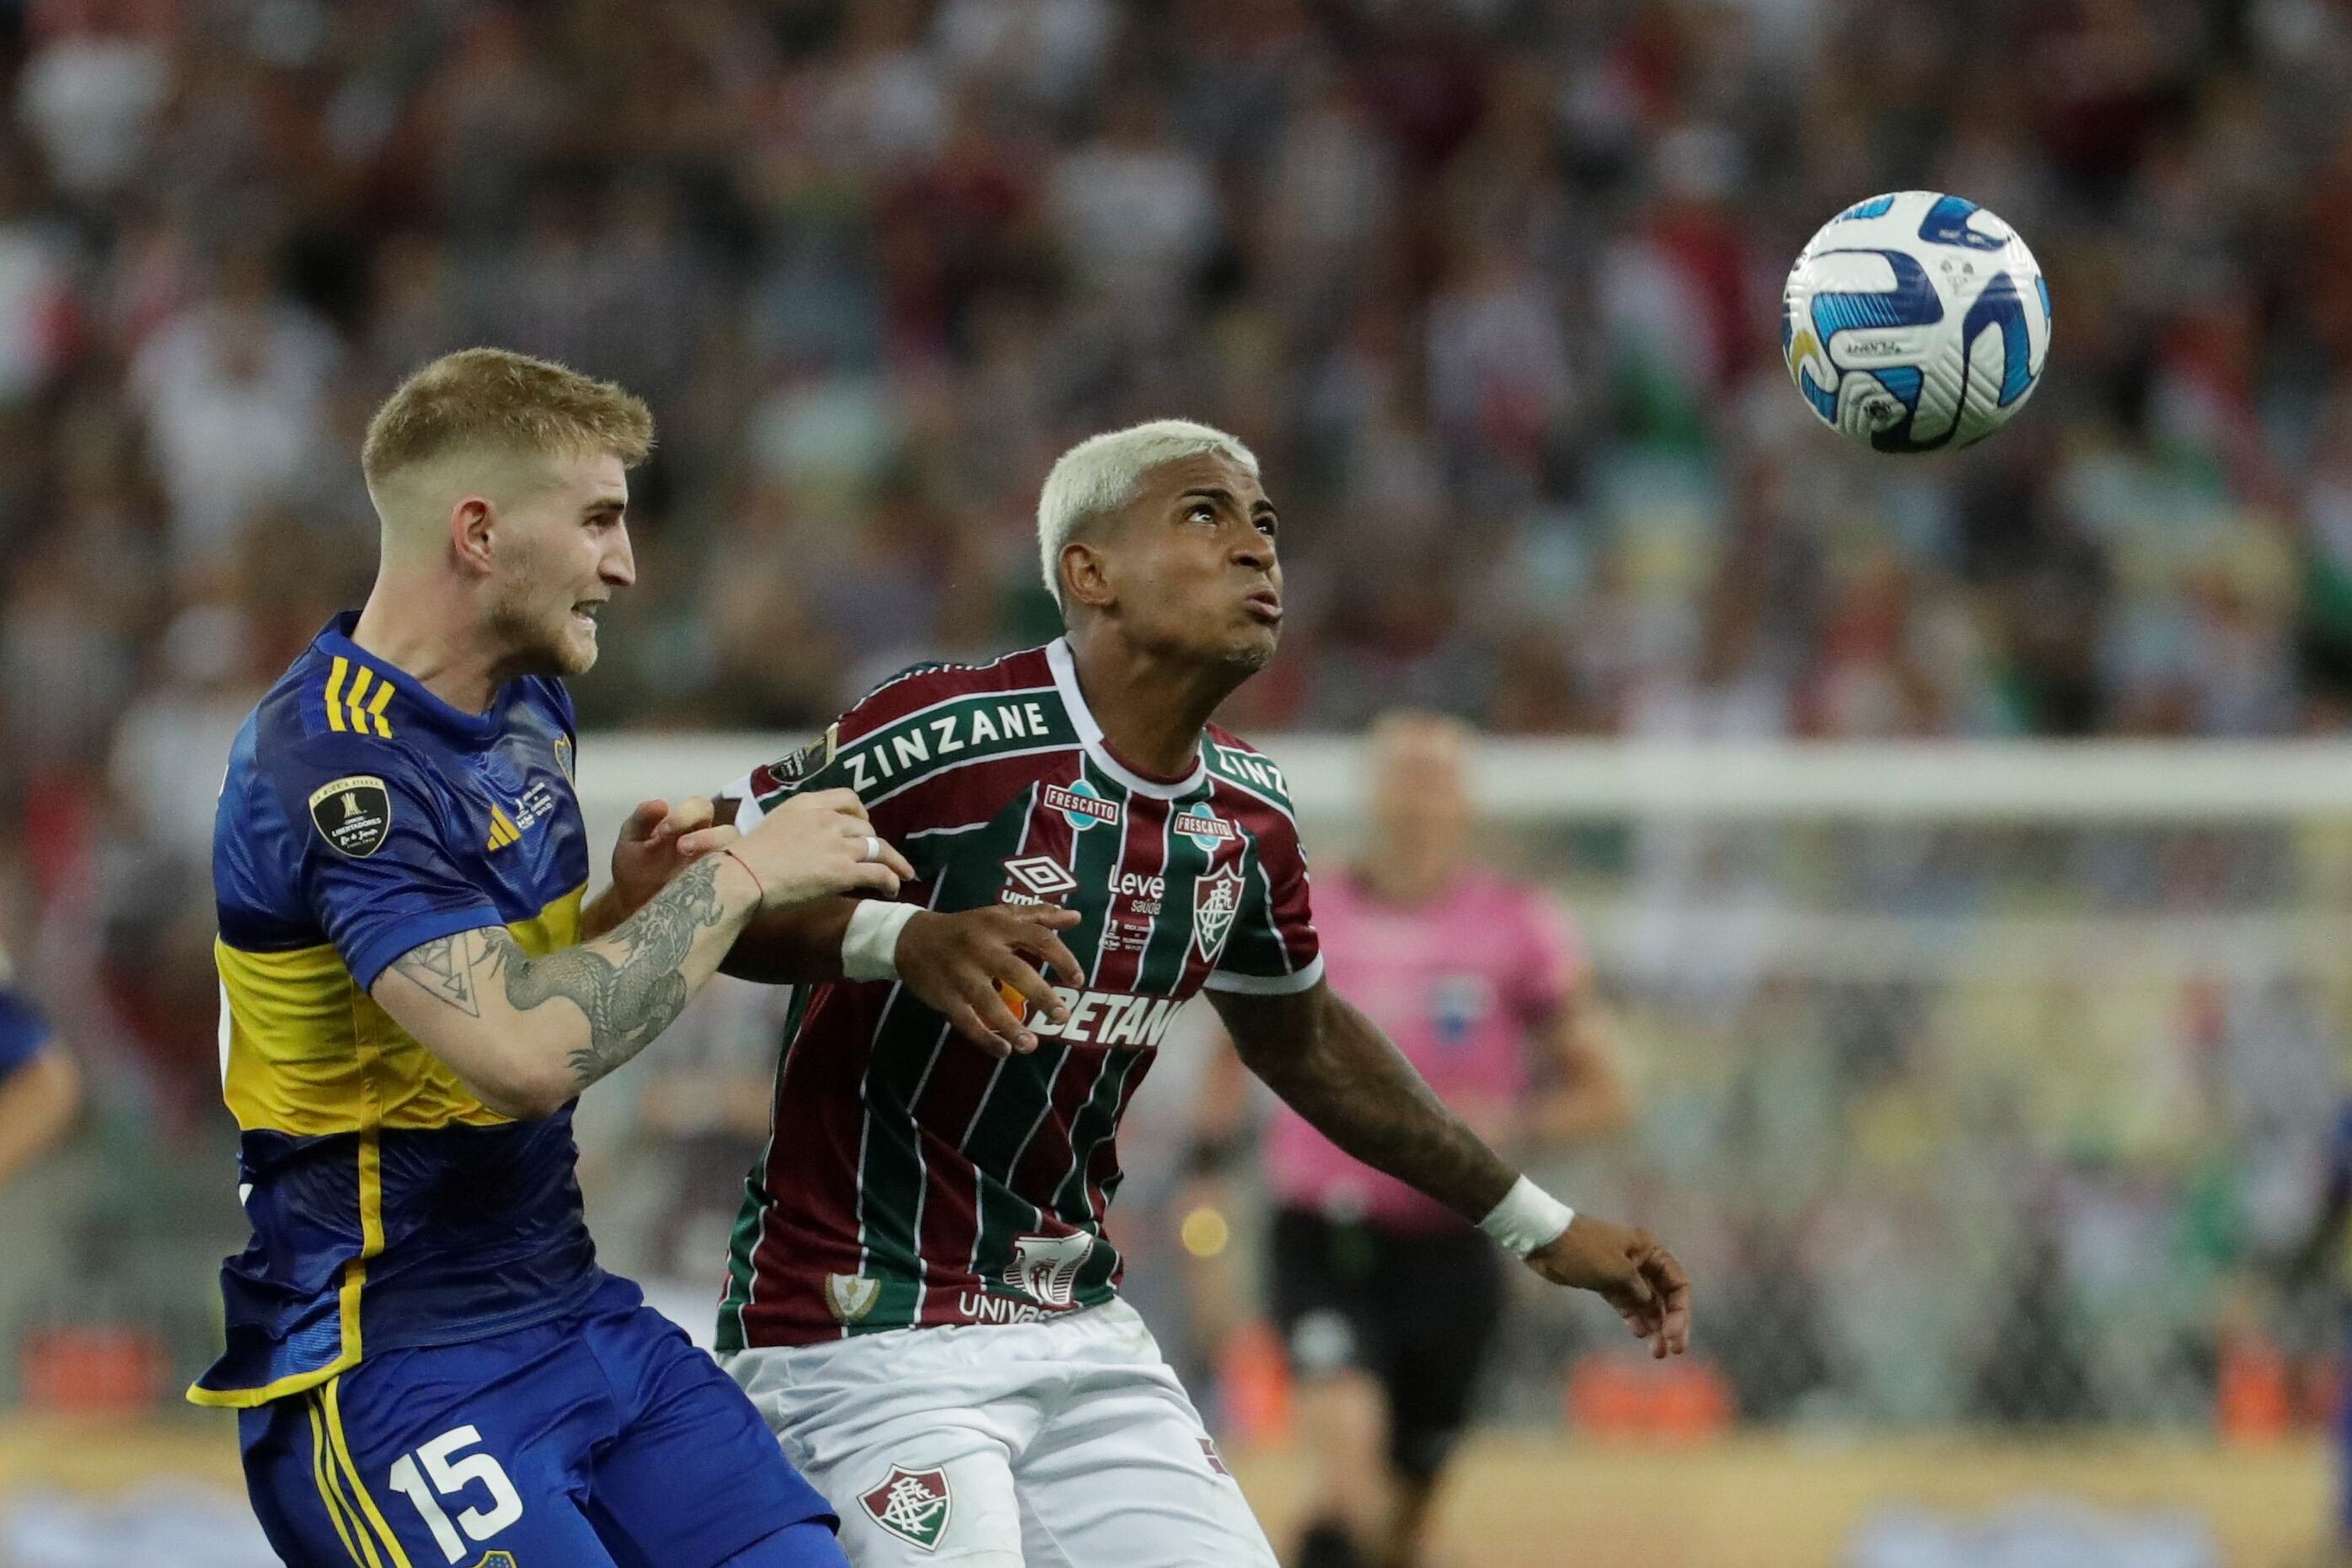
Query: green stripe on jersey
x=1103, y=1262
x=1010, y=1117
x=891, y=1171
x=950, y=735
x=1252, y=772
x=1171, y=935
x=743, y=1240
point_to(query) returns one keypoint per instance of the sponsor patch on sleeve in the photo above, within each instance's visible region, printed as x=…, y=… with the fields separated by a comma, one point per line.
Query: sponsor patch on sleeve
x=353, y=814
x=788, y=771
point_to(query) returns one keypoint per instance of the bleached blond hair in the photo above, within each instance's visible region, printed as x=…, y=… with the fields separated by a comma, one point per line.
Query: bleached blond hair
x=496, y=398
x=1102, y=473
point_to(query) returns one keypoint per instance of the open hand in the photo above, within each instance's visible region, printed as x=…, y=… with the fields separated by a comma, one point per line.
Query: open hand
x=955, y=963
x=814, y=846
x=1632, y=1270
x=659, y=841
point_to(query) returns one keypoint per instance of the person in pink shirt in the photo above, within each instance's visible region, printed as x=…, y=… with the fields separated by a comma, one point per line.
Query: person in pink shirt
x=1388, y=1303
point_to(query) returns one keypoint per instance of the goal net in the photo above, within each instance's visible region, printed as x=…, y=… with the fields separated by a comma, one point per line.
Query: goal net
x=1978, y=1085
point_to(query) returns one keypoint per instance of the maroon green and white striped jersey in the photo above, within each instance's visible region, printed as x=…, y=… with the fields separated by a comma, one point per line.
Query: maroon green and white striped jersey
x=911, y=1179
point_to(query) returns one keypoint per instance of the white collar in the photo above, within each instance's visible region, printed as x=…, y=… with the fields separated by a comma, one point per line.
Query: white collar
x=1090, y=734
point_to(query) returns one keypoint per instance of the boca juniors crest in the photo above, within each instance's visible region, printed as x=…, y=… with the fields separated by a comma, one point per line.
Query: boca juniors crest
x=913, y=1505
x=1216, y=899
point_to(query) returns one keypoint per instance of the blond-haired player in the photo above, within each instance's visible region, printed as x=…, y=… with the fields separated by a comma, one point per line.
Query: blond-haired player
x=428, y=1365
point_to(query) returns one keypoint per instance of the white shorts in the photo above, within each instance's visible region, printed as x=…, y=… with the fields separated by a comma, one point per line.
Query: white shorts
x=1065, y=1443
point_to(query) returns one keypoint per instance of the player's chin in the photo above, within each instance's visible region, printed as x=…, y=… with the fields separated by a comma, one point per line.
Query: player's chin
x=574, y=651
x=1250, y=648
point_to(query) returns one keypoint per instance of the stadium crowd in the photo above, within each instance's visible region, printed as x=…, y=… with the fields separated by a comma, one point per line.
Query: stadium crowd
x=1489, y=284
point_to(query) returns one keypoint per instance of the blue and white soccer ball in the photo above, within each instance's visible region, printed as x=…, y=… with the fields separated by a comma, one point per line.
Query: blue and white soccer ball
x=1916, y=322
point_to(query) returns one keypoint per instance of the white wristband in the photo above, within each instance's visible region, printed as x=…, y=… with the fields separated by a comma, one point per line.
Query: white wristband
x=1528, y=1219
x=870, y=948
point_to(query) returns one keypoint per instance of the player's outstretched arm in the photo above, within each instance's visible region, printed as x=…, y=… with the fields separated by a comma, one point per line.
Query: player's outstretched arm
x=1333, y=1066
x=488, y=1010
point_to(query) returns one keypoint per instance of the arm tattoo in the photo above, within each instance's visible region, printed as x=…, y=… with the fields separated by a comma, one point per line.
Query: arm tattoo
x=443, y=968
x=1335, y=1067
x=628, y=983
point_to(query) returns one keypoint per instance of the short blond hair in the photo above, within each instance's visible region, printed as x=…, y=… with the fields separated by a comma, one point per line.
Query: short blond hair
x=498, y=399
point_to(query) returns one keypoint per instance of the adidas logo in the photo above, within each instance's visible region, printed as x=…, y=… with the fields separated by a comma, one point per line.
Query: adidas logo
x=537, y=801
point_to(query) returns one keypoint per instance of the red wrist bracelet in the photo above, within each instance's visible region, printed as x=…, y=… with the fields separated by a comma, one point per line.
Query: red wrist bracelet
x=755, y=875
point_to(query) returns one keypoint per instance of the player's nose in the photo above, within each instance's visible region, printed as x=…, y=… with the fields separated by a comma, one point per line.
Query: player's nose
x=619, y=565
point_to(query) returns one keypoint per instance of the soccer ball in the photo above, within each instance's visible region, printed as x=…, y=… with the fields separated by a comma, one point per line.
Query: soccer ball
x=1916, y=322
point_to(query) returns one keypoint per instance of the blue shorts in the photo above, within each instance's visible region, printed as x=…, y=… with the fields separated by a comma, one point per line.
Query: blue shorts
x=603, y=1438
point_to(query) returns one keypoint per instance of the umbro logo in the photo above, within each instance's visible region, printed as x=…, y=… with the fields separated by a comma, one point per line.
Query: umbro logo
x=1042, y=877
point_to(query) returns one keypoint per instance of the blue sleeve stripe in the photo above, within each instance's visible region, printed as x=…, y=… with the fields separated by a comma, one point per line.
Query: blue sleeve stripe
x=373, y=959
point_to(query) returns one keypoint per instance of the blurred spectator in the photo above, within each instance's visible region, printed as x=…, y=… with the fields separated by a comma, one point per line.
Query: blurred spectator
x=1486, y=283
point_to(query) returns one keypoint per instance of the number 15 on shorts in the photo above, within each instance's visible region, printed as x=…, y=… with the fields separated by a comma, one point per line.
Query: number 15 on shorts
x=441, y=1472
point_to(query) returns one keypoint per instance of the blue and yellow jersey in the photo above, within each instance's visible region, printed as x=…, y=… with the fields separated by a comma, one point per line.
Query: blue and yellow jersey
x=361, y=817
x=23, y=1030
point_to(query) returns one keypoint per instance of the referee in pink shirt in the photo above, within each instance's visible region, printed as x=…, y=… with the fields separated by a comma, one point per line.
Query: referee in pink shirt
x=1389, y=1303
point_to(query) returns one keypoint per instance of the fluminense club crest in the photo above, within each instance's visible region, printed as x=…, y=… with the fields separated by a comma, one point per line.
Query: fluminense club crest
x=913, y=1505
x=1216, y=899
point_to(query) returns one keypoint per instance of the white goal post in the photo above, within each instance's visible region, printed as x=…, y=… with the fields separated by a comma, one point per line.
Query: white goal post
x=1976, y=1037
x=2022, y=781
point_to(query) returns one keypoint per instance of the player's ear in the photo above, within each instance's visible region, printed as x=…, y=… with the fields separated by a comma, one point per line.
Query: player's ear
x=1086, y=576
x=472, y=522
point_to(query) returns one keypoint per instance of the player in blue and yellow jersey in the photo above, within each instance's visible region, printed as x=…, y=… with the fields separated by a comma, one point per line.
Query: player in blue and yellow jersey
x=40, y=1089
x=430, y=1366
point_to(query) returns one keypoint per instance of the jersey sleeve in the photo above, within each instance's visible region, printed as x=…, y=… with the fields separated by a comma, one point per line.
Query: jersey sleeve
x=25, y=1032
x=814, y=767
x=1552, y=959
x=1274, y=949
x=373, y=850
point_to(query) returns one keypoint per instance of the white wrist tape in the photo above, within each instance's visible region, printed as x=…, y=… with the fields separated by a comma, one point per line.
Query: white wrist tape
x=870, y=948
x=1528, y=1219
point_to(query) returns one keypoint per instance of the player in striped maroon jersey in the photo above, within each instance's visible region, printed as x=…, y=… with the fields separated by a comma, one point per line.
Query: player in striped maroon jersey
x=921, y=1298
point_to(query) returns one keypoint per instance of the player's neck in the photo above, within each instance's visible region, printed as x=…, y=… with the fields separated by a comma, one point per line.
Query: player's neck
x=402, y=628
x=1151, y=709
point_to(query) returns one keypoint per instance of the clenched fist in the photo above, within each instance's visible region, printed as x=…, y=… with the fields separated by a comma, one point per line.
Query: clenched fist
x=956, y=963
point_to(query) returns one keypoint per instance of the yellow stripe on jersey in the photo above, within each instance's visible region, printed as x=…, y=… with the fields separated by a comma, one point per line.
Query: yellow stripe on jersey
x=329, y=1493
x=502, y=829
x=399, y=1559
x=335, y=674
x=357, y=713
x=360, y=683
x=311, y=1055
x=375, y=709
